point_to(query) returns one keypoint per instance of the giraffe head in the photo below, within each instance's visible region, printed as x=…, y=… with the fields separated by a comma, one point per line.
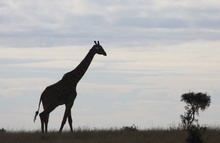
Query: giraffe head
x=98, y=49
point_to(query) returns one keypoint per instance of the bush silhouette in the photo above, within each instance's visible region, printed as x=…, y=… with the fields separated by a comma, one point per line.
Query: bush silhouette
x=194, y=103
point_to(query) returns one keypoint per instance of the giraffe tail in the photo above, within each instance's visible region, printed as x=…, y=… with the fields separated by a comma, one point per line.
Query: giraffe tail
x=37, y=112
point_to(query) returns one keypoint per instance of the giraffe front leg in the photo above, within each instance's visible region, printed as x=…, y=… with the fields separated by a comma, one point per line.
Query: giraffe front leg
x=70, y=121
x=64, y=119
x=67, y=113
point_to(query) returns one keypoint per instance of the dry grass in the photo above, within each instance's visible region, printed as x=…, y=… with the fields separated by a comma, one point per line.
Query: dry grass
x=106, y=136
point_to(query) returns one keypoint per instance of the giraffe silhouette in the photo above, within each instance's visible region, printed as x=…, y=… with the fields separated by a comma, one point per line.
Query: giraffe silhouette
x=64, y=91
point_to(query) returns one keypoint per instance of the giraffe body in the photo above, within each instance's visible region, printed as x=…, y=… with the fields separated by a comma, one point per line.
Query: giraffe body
x=64, y=91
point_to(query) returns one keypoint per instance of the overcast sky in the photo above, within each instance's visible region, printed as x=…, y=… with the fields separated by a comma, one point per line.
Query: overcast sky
x=157, y=51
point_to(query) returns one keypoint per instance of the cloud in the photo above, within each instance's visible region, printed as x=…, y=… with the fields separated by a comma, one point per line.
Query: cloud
x=179, y=57
x=18, y=86
x=31, y=23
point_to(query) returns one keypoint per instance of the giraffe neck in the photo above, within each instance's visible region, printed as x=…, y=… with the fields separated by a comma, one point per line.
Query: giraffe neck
x=75, y=75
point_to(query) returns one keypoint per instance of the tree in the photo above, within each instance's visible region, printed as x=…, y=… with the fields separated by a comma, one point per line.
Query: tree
x=194, y=102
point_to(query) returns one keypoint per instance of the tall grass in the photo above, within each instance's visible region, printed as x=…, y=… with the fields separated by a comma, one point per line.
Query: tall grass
x=105, y=136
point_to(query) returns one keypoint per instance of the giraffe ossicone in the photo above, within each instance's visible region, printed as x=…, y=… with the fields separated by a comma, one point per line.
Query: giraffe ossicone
x=64, y=91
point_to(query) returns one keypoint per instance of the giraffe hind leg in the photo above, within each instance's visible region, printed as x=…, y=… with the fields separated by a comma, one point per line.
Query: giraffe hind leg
x=44, y=121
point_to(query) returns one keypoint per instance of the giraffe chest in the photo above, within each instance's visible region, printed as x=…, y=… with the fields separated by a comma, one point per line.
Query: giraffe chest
x=66, y=96
x=67, y=92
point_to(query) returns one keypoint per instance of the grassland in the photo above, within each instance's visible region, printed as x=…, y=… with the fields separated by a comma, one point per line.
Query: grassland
x=105, y=136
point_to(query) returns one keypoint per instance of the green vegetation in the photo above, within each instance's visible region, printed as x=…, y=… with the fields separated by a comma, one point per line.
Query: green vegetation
x=106, y=136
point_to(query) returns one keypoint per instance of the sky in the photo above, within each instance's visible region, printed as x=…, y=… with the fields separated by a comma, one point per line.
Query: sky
x=156, y=51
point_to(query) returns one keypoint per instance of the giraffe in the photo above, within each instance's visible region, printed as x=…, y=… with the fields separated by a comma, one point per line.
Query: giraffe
x=64, y=91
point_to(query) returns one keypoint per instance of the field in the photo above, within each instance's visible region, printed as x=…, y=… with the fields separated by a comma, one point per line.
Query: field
x=105, y=136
